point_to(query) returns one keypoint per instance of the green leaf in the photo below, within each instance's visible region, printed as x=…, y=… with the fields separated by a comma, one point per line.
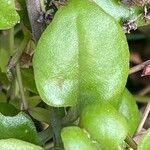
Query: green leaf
x=6, y=46
x=129, y=109
x=40, y=114
x=33, y=101
x=8, y=14
x=3, y=97
x=15, y=144
x=8, y=109
x=75, y=138
x=19, y=127
x=121, y=11
x=78, y=58
x=28, y=79
x=4, y=79
x=144, y=143
x=16, y=103
x=23, y=13
x=104, y=124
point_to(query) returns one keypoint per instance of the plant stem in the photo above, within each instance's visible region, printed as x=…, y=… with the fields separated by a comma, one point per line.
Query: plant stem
x=34, y=12
x=19, y=78
x=45, y=135
x=11, y=39
x=139, y=67
x=131, y=142
x=71, y=116
x=144, y=91
x=8, y=43
x=142, y=99
x=56, y=125
x=145, y=115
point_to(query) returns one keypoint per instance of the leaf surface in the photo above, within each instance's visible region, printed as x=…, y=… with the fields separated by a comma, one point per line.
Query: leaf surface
x=75, y=138
x=8, y=14
x=121, y=11
x=40, y=114
x=105, y=125
x=145, y=141
x=8, y=109
x=81, y=56
x=15, y=144
x=129, y=109
x=19, y=127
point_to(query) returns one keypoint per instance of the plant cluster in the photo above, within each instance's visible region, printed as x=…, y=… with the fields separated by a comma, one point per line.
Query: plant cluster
x=63, y=72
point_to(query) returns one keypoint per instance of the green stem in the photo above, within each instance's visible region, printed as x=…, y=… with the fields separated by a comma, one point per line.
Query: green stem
x=45, y=135
x=19, y=78
x=142, y=99
x=56, y=125
x=9, y=46
x=71, y=116
x=131, y=142
x=11, y=39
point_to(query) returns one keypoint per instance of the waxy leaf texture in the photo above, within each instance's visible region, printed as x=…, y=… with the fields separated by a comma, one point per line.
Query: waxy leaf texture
x=8, y=15
x=81, y=57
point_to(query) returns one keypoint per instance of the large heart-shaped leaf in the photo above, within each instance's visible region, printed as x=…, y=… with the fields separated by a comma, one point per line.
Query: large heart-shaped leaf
x=82, y=55
x=129, y=109
x=145, y=141
x=19, y=127
x=75, y=138
x=8, y=14
x=15, y=144
x=104, y=124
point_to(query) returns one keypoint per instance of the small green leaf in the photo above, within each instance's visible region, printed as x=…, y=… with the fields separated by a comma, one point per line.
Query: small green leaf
x=75, y=138
x=33, y=101
x=40, y=114
x=15, y=144
x=8, y=109
x=16, y=103
x=3, y=97
x=28, y=80
x=19, y=127
x=23, y=13
x=105, y=125
x=78, y=58
x=129, y=109
x=121, y=11
x=8, y=14
x=116, y=9
x=4, y=79
x=145, y=142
